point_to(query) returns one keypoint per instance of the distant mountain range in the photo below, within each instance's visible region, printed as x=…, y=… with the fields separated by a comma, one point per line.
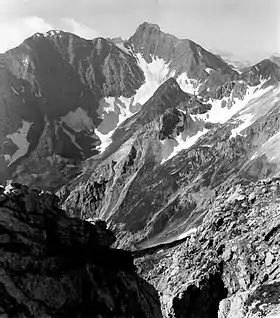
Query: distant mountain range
x=67, y=102
x=144, y=133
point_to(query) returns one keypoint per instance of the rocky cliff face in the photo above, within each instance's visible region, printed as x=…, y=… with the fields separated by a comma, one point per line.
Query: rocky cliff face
x=229, y=265
x=264, y=70
x=63, y=99
x=170, y=164
x=52, y=86
x=149, y=134
x=145, y=141
x=55, y=266
x=181, y=55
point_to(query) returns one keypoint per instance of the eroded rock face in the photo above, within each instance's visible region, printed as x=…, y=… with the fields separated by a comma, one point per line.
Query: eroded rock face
x=50, y=94
x=61, y=96
x=230, y=264
x=155, y=201
x=132, y=175
x=52, y=265
x=183, y=55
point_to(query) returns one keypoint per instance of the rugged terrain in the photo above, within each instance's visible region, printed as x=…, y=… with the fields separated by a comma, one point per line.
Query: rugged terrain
x=52, y=265
x=63, y=97
x=168, y=169
x=161, y=168
x=51, y=101
x=160, y=138
x=228, y=267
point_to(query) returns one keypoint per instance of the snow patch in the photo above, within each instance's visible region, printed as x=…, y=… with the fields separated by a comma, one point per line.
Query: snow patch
x=71, y=136
x=270, y=149
x=156, y=72
x=25, y=61
x=14, y=90
x=114, y=112
x=260, y=105
x=184, y=143
x=7, y=157
x=247, y=120
x=105, y=140
x=52, y=33
x=254, y=156
x=208, y=70
x=187, y=84
x=109, y=105
x=188, y=233
x=78, y=120
x=123, y=48
x=219, y=114
x=8, y=189
x=19, y=138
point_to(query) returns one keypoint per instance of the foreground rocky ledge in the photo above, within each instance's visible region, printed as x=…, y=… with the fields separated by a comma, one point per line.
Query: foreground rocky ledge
x=230, y=266
x=52, y=265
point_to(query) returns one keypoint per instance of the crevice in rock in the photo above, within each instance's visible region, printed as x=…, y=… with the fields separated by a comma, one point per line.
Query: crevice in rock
x=201, y=301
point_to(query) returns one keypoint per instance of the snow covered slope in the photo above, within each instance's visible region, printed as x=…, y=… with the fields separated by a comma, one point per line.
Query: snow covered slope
x=19, y=139
x=221, y=114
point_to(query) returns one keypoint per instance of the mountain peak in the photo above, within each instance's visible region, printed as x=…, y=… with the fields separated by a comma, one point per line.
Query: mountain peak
x=148, y=26
x=182, y=55
x=116, y=40
x=50, y=33
x=170, y=85
x=275, y=58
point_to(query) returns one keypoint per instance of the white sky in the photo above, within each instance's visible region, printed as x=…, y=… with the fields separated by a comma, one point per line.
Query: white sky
x=249, y=29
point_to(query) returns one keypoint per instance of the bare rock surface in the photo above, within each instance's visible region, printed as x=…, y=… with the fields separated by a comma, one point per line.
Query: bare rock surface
x=52, y=265
x=229, y=267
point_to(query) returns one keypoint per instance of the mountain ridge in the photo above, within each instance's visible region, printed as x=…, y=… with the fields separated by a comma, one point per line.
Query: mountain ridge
x=165, y=142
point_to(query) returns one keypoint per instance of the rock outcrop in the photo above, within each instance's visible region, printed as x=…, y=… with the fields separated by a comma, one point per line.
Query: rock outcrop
x=229, y=267
x=63, y=97
x=124, y=179
x=154, y=193
x=51, y=90
x=183, y=55
x=52, y=265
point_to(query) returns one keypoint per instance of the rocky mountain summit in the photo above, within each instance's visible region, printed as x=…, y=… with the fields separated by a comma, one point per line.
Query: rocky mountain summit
x=140, y=145
x=183, y=55
x=164, y=141
x=51, y=89
x=228, y=267
x=52, y=265
x=63, y=98
x=170, y=164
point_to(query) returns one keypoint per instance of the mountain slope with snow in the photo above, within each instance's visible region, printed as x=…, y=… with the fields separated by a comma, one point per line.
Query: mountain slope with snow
x=167, y=162
x=143, y=133
x=56, y=82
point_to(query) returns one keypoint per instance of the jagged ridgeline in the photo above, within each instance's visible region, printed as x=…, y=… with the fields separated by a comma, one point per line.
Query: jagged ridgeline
x=153, y=135
x=55, y=266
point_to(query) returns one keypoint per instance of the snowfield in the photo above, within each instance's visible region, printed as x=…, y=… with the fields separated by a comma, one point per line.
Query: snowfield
x=188, y=233
x=104, y=138
x=156, y=73
x=262, y=103
x=187, y=85
x=19, y=138
x=182, y=143
x=270, y=149
x=219, y=114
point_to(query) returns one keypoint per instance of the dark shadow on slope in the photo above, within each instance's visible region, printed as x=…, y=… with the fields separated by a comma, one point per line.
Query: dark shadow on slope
x=202, y=301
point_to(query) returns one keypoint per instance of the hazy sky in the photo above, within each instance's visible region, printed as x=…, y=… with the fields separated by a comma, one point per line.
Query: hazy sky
x=249, y=29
